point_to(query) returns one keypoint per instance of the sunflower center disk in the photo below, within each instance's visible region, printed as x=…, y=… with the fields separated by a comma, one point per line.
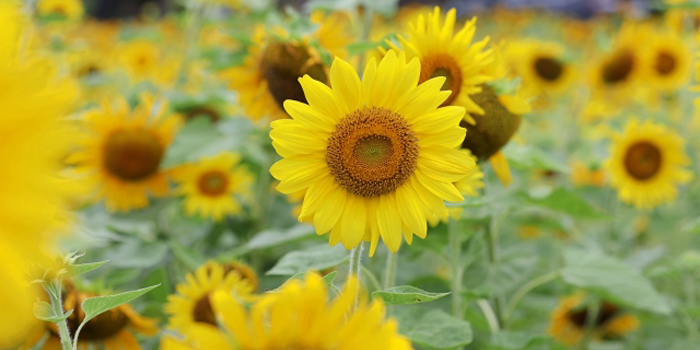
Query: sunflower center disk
x=643, y=160
x=618, y=68
x=283, y=64
x=607, y=312
x=665, y=63
x=372, y=152
x=203, y=311
x=213, y=183
x=443, y=66
x=132, y=155
x=548, y=68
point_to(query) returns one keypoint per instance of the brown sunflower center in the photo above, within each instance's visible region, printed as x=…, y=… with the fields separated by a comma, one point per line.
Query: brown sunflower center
x=665, y=63
x=372, y=152
x=213, y=183
x=283, y=64
x=618, y=68
x=548, y=68
x=443, y=65
x=607, y=312
x=643, y=160
x=132, y=154
x=203, y=311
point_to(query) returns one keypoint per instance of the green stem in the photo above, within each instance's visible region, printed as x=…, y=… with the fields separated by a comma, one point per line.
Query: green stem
x=195, y=10
x=493, y=257
x=527, y=288
x=354, y=269
x=392, y=264
x=456, y=268
x=371, y=278
x=591, y=317
x=57, y=305
x=490, y=316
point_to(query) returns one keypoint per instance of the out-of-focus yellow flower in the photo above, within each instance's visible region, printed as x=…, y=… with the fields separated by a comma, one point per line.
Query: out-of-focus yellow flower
x=584, y=175
x=542, y=67
x=68, y=9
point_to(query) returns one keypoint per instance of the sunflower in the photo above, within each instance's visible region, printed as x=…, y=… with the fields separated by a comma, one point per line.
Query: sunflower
x=122, y=151
x=470, y=184
x=67, y=9
x=112, y=330
x=298, y=316
x=210, y=185
x=542, y=66
x=335, y=32
x=442, y=52
x=670, y=62
x=617, y=72
x=270, y=73
x=569, y=319
x=584, y=175
x=192, y=305
x=646, y=164
x=376, y=156
x=143, y=59
x=34, y=139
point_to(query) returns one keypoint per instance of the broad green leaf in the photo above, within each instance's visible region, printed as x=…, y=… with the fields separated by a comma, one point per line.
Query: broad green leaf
x=274, y=237
x=79, y=269
x=193, y=137
x=44, y=312
x=316, y=258
x=401, y=295
x=507, y=340
x=613, y=279
x=566, y=201
x=433, y=329
x=95, y=306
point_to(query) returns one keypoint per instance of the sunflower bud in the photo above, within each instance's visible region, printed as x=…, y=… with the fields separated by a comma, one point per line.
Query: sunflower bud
x=493, y=129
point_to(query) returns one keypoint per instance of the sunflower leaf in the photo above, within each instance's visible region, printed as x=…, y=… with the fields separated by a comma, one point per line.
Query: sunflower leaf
x=44, y=312
x=95, y=306
x=433, y=329
x=313, y=259
x=79, y=269
x=401, y=295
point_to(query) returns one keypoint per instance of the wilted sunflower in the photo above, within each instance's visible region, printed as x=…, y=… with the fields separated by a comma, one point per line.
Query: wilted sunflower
x=210, y=185
x=34, y=140
x=669, y=62
x=646, y=164
x=68, y=9
x=112, y=330
x=122, y=151
x=297, y=316
x=542, y=66
x=270, y=73
x=376, y=156
x=192, y=305
x=569, y=319
x=444, y=53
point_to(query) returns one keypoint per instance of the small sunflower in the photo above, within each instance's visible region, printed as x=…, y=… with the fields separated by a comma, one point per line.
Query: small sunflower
x=334, y=32
x=442, y=52
x=144, y=59
x=377, y=156
x=569, y=319
x=210, y=185
x=192, y=305
x=647, y=163
x=297, y=316
x=112, y=330
x=616, y=73
x=542, y=66
x=122, y=151
x=270, y=73
x=67, y=9
x=583, y=174
x=670, y=62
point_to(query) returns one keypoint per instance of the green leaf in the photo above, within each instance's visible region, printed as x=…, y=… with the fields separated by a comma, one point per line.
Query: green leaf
x=274, y=237
x=44, y=312
x=514, y=340
x=195, y=136
x=401, y=295
x=433, y=329
x=330, y=278
x=95, y=306
x=566, y=201
x=612, y=279
x=79, y=269
x=316, y=258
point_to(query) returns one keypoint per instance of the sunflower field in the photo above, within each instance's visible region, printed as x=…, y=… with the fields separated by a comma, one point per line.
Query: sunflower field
x=349, y=175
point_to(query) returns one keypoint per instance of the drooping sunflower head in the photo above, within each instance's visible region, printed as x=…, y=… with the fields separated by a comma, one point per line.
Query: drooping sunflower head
x=270, y=74
x=647, y=163
x=67, y=9
x=449, y=54
x=209, y=186
x=670, y=62
x=122, y=151
x=192, y=305
x=299, y=315
x=569, y=320
x=376, y=156
x=542, y=66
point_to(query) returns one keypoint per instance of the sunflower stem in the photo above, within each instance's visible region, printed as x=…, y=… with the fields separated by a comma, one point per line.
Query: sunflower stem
x=456, y=268
x=57, y=305
x=525, y=289
x=493, y=256
x=591, y=317
x=355, y=268
x=392, y=264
